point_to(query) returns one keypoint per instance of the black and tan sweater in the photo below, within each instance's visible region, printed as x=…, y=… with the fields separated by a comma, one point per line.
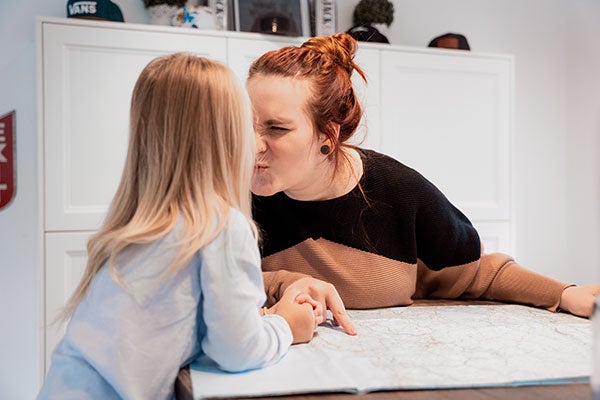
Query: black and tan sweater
x=404, y=241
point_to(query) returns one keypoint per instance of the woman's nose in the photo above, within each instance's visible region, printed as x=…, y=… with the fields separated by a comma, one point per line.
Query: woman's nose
x=261, y=144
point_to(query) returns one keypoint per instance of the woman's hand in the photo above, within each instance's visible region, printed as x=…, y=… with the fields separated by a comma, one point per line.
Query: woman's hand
x=301, y=312
x=327, y=296
x=579, y=300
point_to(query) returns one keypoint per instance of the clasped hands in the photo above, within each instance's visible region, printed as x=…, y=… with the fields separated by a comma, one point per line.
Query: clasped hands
x=304, y=305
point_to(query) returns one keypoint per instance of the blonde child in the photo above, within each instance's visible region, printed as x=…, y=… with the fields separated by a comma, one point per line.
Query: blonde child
x=174, y=272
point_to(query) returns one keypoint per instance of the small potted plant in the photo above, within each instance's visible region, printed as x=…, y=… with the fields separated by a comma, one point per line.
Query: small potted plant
x=366, y=14
x=162, y=11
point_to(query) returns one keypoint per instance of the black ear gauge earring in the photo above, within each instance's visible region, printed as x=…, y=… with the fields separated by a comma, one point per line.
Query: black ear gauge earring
x=325, y=150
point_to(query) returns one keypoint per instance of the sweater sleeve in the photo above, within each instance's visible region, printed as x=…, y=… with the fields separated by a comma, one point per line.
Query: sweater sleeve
x=493, y=277
x=237, y=337
x=276, y=282
x=515, y=284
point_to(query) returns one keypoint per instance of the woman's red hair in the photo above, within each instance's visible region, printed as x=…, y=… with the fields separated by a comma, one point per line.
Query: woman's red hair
x=327, y=62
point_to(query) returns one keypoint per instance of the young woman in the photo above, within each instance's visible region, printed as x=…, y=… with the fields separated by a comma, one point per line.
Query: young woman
x=331, y=213
x=175, y=270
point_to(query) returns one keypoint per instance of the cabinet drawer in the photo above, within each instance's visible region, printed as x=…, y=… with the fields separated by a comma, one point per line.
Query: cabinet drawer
x=65, y=262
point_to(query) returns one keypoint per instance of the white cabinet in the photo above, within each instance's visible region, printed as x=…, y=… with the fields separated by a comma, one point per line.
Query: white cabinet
x=65, y=262
x=447, y=114
x=88, y=76
x=449, y=117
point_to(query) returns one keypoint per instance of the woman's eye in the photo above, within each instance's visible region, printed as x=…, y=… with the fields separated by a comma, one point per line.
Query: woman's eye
x=278, y=129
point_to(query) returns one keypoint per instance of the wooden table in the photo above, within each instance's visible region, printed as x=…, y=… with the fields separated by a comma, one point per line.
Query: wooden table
x=575, y=391
x=578, y=391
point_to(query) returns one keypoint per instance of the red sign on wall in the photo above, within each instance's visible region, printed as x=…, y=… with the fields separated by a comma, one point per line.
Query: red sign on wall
x=7, y=158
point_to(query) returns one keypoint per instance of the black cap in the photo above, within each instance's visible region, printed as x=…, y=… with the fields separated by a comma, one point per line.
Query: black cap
x=94, y=9
x=450, y=41
x=367, y=33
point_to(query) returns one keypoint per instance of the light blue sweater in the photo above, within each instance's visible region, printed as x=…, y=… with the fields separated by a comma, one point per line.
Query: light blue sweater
x=131, y=343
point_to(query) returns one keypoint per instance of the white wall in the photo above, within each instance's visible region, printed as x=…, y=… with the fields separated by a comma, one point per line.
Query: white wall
x=557, y=140
x=18, y=222
x=583, y=139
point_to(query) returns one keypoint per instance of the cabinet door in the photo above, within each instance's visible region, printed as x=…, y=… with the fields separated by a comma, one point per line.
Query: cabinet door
x=88, y=75
x=449, y=116
x=65, y=262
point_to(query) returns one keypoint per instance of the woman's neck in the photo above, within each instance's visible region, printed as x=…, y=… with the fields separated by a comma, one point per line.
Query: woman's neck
x=325, y=185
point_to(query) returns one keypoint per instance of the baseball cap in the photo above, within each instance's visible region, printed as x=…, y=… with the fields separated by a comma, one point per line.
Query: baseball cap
x=450, y=41
x=94, y=9
x=367, y=33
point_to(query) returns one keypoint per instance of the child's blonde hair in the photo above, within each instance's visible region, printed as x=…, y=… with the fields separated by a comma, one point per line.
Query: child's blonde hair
x=190, y=158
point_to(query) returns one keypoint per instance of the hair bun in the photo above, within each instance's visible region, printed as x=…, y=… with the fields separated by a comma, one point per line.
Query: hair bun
x=341, y=47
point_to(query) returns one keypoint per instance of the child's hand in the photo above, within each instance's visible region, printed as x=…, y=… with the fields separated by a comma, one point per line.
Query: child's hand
x=579, y=300
x=325, y=294
x=299, y=314
x=319, y=313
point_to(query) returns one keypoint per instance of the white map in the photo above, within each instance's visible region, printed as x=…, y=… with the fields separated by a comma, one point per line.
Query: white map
x=420, y=348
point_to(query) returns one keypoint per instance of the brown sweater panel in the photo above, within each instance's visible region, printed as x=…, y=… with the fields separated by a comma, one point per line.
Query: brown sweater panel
x=487, y=272
x=469, y=280
x=448, y=283
x=362, y=279
x=366, y=280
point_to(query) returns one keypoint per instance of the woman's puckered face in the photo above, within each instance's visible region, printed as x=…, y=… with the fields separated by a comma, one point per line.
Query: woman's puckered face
x=287, y=155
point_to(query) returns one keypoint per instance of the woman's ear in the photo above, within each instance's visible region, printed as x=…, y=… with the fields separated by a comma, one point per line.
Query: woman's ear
x=327, y=144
